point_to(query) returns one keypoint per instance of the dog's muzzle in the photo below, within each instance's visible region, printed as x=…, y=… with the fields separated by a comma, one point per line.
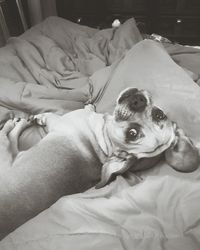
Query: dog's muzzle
x=135, y=100
x=130, y=101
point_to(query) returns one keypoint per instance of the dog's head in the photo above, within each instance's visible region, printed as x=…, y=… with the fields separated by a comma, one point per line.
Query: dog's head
x=138, y=129
x=138, y=126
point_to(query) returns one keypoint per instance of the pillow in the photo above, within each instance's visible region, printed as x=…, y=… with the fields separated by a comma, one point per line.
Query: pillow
x=148, y=66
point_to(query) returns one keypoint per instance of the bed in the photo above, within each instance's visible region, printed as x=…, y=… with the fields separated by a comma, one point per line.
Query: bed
x=59, y=66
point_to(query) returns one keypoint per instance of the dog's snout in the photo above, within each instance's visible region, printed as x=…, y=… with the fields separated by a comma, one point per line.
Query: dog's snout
x=138, y=103
x=136, y=100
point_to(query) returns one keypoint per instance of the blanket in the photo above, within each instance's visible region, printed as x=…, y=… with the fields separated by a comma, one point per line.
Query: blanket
x=159, y=212
x=47, y=68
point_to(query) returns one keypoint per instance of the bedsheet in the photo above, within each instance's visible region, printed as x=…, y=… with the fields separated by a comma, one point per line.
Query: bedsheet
x=159, y=212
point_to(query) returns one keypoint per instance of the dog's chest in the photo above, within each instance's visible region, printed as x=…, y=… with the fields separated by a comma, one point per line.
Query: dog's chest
x=87, y=129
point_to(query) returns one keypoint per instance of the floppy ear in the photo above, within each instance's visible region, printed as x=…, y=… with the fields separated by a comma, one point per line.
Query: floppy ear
x=115, y=166
x=183, y=155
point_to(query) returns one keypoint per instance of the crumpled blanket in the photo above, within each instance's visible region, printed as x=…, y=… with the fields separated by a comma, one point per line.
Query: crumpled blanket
x=186, y=56
x=47, y=67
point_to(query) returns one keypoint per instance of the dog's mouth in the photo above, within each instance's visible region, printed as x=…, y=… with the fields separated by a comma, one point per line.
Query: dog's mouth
x=159, y=148
x=131, y=101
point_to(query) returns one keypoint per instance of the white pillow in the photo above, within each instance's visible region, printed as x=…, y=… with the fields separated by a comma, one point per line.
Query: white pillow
x=148, y=66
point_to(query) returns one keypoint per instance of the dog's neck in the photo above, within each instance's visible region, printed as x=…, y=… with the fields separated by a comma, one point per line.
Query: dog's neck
x=101, y=132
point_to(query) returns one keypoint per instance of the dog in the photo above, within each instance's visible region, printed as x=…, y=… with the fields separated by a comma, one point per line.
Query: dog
x=81, y=149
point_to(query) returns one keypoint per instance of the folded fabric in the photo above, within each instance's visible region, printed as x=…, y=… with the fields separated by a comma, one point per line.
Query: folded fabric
x=186, y=56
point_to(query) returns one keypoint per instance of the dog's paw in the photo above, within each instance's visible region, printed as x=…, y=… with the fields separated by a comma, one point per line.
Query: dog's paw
x=39, y=119
x=90, y=107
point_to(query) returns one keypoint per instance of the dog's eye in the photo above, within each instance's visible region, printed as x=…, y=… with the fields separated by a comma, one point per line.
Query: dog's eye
x=132, y=134
x=158, y=114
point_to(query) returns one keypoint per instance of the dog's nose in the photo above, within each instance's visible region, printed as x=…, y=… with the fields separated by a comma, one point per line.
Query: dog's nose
x=135, y=100
x=138, y=103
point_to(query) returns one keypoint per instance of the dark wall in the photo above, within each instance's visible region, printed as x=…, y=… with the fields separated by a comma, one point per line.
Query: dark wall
x=178, y=20
x=12, y=17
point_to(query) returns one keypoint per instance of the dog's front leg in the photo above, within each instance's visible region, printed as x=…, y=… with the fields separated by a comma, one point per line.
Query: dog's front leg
x=48, y=120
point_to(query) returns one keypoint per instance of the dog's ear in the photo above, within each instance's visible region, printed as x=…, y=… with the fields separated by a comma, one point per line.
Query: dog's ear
x=182, y=155
x=115, y=166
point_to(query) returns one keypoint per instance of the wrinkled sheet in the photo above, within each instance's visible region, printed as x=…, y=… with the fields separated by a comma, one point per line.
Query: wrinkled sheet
x=159, y=212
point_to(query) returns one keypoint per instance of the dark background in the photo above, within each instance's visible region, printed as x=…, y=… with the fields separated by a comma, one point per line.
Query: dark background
x=178, y=20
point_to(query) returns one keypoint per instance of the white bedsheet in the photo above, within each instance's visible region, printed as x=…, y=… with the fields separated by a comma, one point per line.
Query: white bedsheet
x=160, y=212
